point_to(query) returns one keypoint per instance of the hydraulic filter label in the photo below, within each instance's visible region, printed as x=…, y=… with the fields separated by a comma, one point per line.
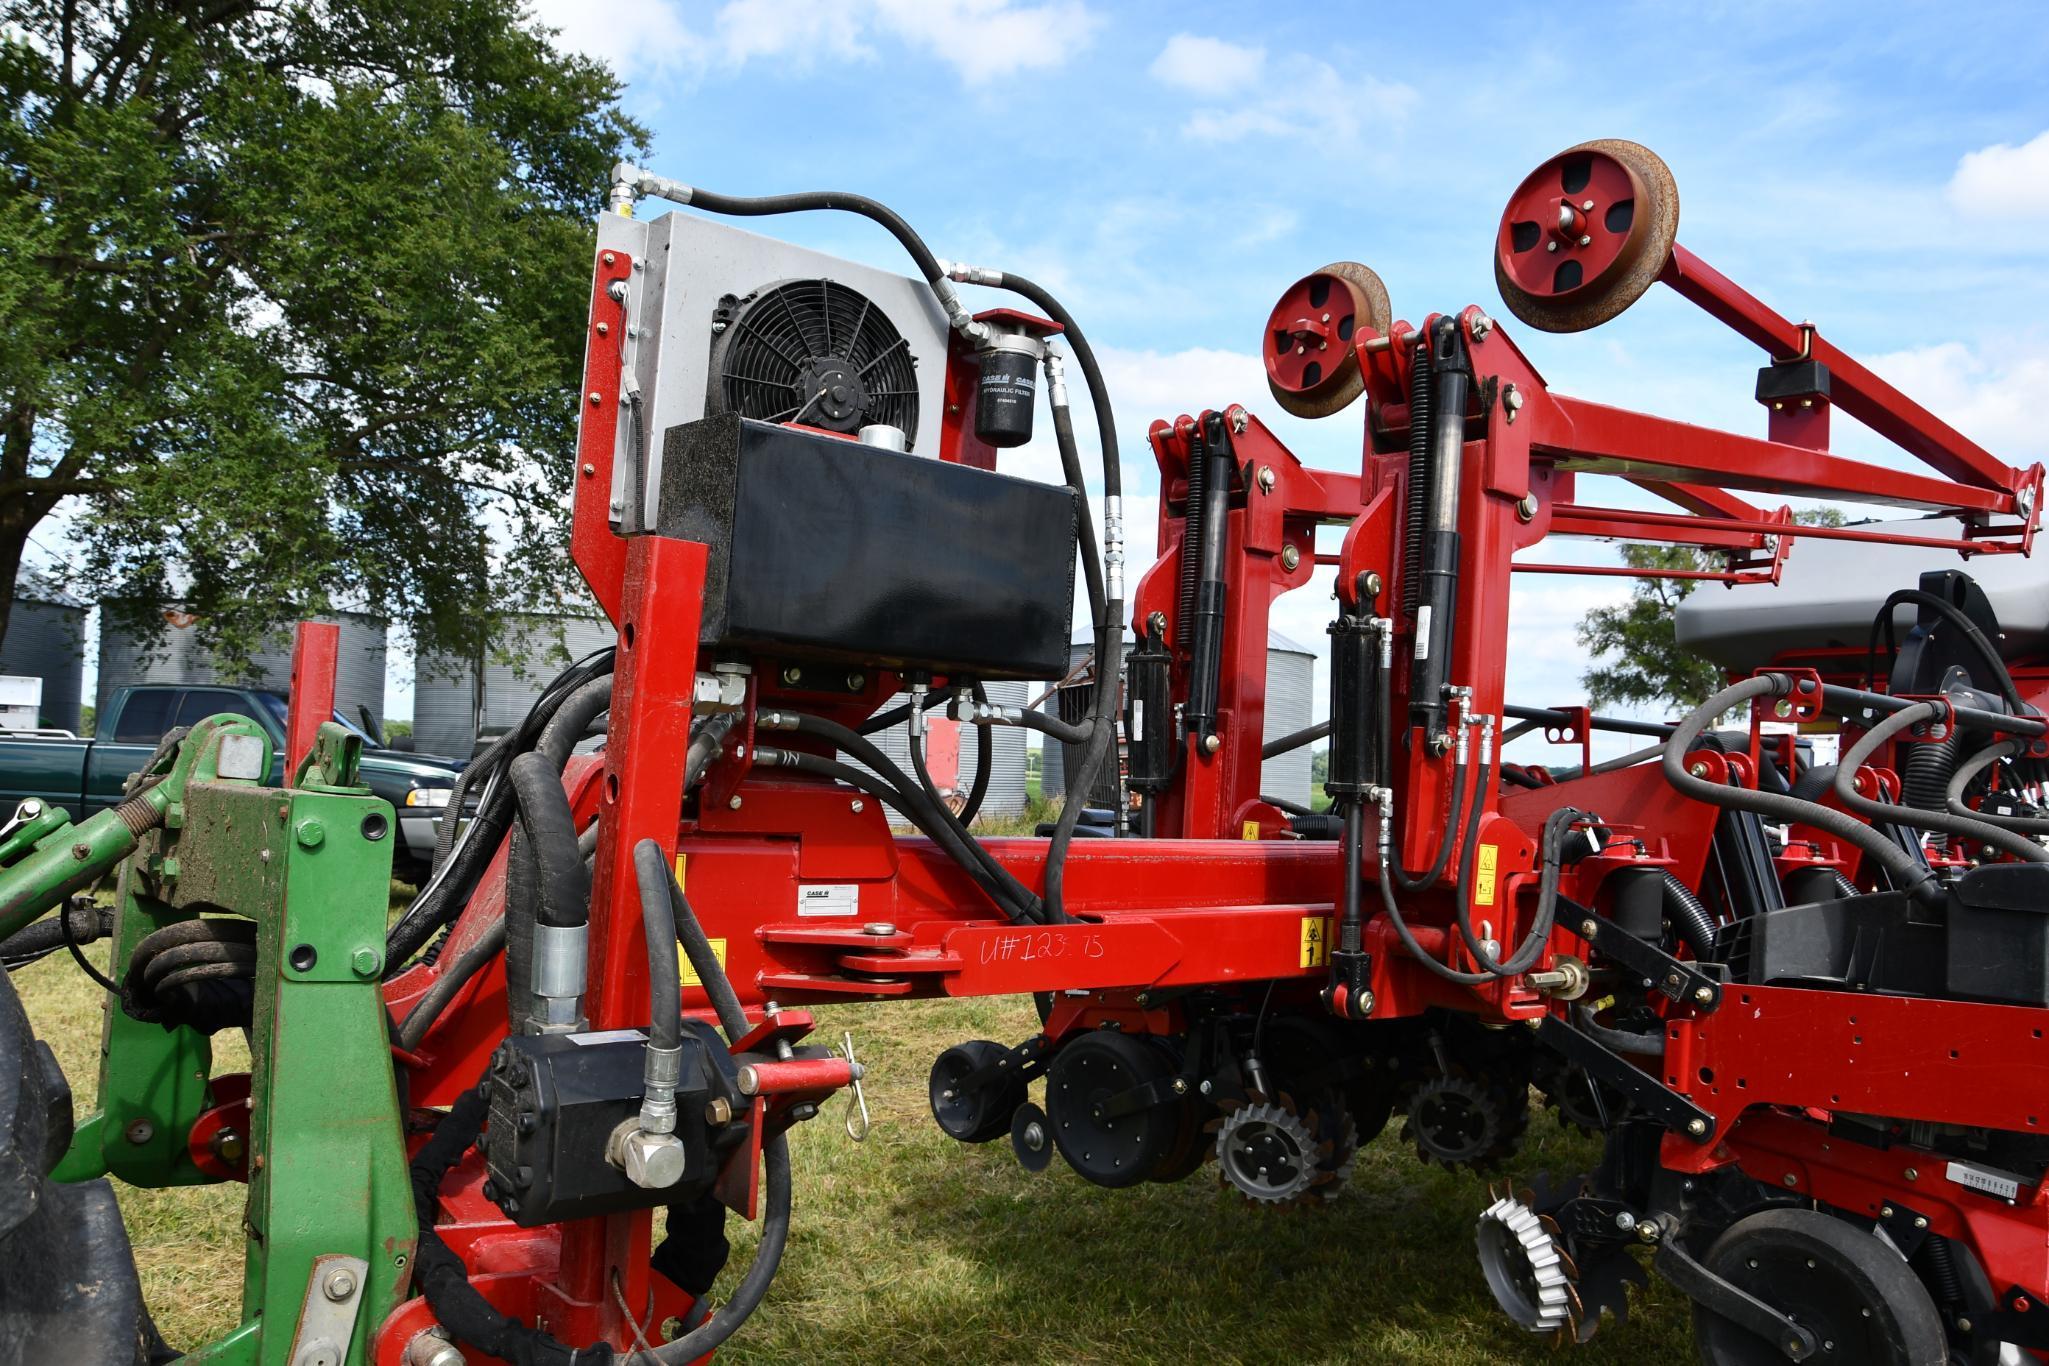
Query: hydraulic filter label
x=829, y=898
x=1315, y=941
x=1483, y=877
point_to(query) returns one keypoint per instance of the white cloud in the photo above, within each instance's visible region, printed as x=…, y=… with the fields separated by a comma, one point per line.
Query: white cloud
x=635, y=38
x=1991, y=396
x=1242, y=93
x=982, y=40
x=1207, y=66
x=789, y=28
x=985, y=40
x=2003, y=181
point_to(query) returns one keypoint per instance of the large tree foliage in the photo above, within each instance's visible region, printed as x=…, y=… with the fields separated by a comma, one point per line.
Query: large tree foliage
x=1637, y=659
x=291, y=297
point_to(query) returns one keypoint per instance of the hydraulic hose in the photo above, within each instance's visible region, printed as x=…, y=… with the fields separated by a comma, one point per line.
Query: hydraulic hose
x=1618, y=1040
x=1294, y=740
x=1956, y=617
x=1971, y=828
x=1968, y=771
x=658, y=925
x=573, y=719
x=985, y=767
x=550, y=830
x=1689, y=916
x=452, y=979
x=1908, y=873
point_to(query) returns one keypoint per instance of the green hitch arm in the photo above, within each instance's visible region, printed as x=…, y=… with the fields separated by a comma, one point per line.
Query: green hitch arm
x=74, y=856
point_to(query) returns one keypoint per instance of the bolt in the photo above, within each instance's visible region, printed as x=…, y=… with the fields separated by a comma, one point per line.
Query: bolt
x=589, y=470
x=1290, y=557
x=1482, y=325
x=1157, y=623
x=1551, y=245
x=81, y=852
x=733, y=802
x=608, y=258
x=1180, y=1086
x=1963, y=1325
x=1920, y=1221
x=1696, y=1127
x=1238, y=418
x=1035, y=1136
x=139, y=1132
x=1205, y=1088
x=1588, y=206
x=856, y=682
x=339, y=1285
x=1211, y=744
x=310, y=833
x=793, y=674
x=1586, y=241
x=432, y=1348
x=1698, y=770
x=856, y=806
x=1625, y=1221
x=1911, y=1174
x=1513, y=397
x=366, y=961
x=718, y=1110
x=1588, y=928
x=1703, y=995
x=881, y=929
x=1266, y=478
x=596, y=398
x=1783, y=708
x=1649, y=1231
x=1885, y=1212
x=1790, y=1179
x=1526, y=508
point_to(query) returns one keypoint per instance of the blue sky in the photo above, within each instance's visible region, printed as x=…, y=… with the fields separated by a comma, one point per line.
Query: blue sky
x=1168, y=169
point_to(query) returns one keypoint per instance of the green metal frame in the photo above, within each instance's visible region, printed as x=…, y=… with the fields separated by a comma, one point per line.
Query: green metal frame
x=311, y=865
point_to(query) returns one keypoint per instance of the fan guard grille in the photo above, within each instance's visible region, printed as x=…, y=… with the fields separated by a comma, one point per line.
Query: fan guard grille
x=816, y=352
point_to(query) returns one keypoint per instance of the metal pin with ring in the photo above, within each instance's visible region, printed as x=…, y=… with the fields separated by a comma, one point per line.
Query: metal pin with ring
x=857, y=1102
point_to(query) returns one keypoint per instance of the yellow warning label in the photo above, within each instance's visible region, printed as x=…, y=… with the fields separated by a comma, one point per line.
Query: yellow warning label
x=1250, y=832
x=1315, y=941
x=690, y=977
x=1483, y=883
x=679, y=871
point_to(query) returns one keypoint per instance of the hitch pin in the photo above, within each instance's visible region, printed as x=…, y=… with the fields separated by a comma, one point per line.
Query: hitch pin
x=857, y=1103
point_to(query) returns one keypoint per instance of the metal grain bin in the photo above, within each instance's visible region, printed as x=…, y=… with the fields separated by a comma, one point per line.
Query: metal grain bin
x=175, y=656
x=1006, y=796
x=1290, y=701
x=455, y=701
x=46, y=639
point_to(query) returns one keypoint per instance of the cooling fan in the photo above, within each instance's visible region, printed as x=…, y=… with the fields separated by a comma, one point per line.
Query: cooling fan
x=815, y=352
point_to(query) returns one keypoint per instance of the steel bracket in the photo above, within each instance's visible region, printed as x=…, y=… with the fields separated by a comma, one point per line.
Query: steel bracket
x=1679, y=981
x=1711, y=1292
x=1660, y=1102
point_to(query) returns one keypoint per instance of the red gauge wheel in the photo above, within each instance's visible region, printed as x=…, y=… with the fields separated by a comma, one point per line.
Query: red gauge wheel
x=1585, y=235
x=1310, y=364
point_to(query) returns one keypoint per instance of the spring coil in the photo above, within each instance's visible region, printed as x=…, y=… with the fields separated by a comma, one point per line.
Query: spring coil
x=1940, y=1268
x=1419, y=477
x=1924, y=780
x=1689, y=917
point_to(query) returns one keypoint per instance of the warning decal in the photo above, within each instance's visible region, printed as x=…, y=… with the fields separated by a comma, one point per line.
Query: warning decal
x=1315, y=941
x=1483, y=880
x=690, y=977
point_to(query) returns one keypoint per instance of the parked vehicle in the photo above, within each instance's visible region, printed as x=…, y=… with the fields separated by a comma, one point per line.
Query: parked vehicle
x=84, y=776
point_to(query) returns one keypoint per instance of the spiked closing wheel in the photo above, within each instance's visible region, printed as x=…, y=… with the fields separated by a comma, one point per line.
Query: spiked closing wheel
x=1525, y=1267
x=1585, y=235
x=1310, y=365
x=1267, y=1153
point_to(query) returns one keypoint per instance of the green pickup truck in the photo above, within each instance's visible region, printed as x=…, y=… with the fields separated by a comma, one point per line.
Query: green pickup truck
x=84, y=776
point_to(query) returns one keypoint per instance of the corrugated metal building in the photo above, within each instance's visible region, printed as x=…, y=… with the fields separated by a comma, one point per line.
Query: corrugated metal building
x=46, y=639
x=1006, y=795
x=454, y=701
x=176, y=656
x=1290, y=704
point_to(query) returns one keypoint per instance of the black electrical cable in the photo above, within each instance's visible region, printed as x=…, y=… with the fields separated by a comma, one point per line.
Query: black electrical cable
x=1845, y=791
x=1962, y=779
x=85, y=965
x=1908, y=873
x=1956, y=617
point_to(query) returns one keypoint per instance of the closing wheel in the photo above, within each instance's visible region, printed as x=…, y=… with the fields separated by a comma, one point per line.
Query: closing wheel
x=979, y=1113
x=1854, y=1293
x=1107, y=1134
x=1310, y=365
x=1585, y=235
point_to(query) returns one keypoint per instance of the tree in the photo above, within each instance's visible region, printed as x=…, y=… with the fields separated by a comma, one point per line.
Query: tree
x=1635, y=644
x=291, y=298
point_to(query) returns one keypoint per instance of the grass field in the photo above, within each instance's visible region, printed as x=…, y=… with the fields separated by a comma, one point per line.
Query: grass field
x=912, y=1248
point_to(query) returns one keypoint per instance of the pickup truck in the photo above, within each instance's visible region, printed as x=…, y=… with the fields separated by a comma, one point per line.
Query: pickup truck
x=84, y=776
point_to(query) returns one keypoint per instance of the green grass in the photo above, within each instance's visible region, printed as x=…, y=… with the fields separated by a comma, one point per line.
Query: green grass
x=911, y=1247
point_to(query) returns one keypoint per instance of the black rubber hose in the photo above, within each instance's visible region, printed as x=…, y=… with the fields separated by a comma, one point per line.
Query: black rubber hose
x=935, y=820
x=1953, y=797
x=452, y=979
x=545, y=819
x=1984, y=832
x=658, y=924
x=1908, y=874
x=1283, y=804
x=1070, y=467
x=985, y=766
x=916, y=811
x=769, y=205
x=1924, y=778
x=1618, y=1040
x=1309, y=735
x=1689, y=916
x=573, y=720
x=1956, y=617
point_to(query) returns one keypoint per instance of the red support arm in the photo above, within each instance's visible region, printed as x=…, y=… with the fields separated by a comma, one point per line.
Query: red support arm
x=316, y=648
